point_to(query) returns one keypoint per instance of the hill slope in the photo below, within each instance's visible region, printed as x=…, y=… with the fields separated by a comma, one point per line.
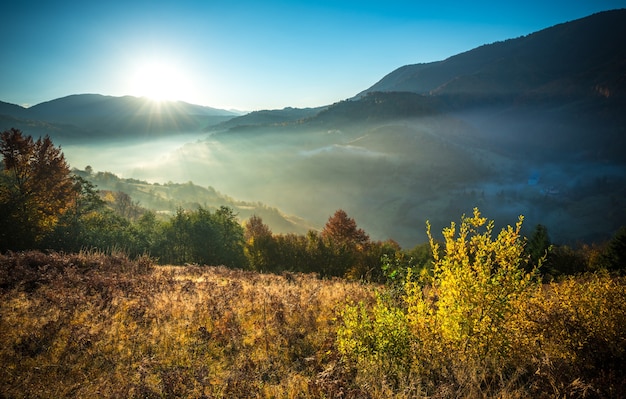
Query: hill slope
x=582, y=57
x=168, y=197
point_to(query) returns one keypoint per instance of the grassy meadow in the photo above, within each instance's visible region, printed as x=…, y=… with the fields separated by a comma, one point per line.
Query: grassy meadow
x=90, y=325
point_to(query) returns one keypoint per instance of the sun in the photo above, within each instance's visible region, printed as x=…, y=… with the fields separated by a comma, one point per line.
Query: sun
x=161, y=81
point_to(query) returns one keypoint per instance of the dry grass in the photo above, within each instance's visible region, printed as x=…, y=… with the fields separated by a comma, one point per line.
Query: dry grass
x=90, y=325
x=93, y=326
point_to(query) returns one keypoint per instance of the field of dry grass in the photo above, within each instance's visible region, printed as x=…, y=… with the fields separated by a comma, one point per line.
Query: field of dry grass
x=90, y=325
x=93, y=326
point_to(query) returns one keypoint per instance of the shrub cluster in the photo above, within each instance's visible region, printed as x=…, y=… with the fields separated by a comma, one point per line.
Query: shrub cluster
x=484, y=326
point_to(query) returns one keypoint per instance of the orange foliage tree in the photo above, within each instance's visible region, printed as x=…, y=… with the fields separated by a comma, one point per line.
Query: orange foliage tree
x=36, y=188
x=343, y=230
x=347, y=243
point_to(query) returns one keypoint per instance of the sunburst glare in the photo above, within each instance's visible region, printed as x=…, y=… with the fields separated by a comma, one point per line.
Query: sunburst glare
x=161, y=80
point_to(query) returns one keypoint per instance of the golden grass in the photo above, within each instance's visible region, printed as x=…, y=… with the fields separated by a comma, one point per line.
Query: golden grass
x=90, y=326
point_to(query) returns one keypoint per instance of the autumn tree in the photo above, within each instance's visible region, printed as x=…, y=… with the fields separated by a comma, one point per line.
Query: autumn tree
x=36, y=189
x=347, y=243
x=124, y=205
x=343, y=229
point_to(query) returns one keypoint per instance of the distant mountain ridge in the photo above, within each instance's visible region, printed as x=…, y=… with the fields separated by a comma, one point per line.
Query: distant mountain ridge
x=268, y=118
x=87, y=105
x=94, y=116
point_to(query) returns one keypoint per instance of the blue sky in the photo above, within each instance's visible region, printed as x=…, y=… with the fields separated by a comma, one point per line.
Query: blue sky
x=246, y=55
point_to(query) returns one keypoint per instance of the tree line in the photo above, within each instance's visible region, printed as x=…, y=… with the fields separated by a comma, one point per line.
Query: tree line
x=44, y=205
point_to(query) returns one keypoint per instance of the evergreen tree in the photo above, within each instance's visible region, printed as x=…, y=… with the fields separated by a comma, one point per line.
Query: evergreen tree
x=614, y=256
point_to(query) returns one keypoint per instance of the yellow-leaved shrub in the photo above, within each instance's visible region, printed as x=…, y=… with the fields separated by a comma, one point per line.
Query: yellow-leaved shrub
x=460, y=327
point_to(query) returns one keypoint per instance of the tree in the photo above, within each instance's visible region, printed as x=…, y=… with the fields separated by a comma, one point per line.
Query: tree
x=69, y=232
x=203, y=237
x=538, y=245
x=614, y=256
x=176, y=247
x=230, y=238
x=124, y=205
x=259, y=245
x=346, y=242
x=36, y=189
x=255, y=228
x=149, y=231
x=343, y=229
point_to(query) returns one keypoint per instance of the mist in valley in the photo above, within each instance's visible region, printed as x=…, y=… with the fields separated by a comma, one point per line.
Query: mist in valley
x=393, y=175
x=529, y=126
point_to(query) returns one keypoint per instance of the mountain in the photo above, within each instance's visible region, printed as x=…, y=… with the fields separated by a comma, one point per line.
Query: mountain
x=585, y=57
x=570, y=76
x=12, y=109
x=559, y=90
x=95, y=105
x=94, y=117
x=276, y=117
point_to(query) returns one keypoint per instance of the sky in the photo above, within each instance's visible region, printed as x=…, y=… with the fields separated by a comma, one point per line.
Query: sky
x=247, y=55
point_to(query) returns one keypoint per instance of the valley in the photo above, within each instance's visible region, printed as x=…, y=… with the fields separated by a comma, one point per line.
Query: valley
x=392, y=177
x=525, y=126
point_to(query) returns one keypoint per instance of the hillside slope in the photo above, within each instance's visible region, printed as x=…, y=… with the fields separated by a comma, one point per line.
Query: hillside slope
x=166, y=198
x=582, y=57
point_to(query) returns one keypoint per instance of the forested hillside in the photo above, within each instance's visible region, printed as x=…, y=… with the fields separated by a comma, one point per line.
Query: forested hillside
x=165, y=199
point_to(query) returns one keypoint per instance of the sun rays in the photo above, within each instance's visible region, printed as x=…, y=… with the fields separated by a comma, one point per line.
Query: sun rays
x=161, y=80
